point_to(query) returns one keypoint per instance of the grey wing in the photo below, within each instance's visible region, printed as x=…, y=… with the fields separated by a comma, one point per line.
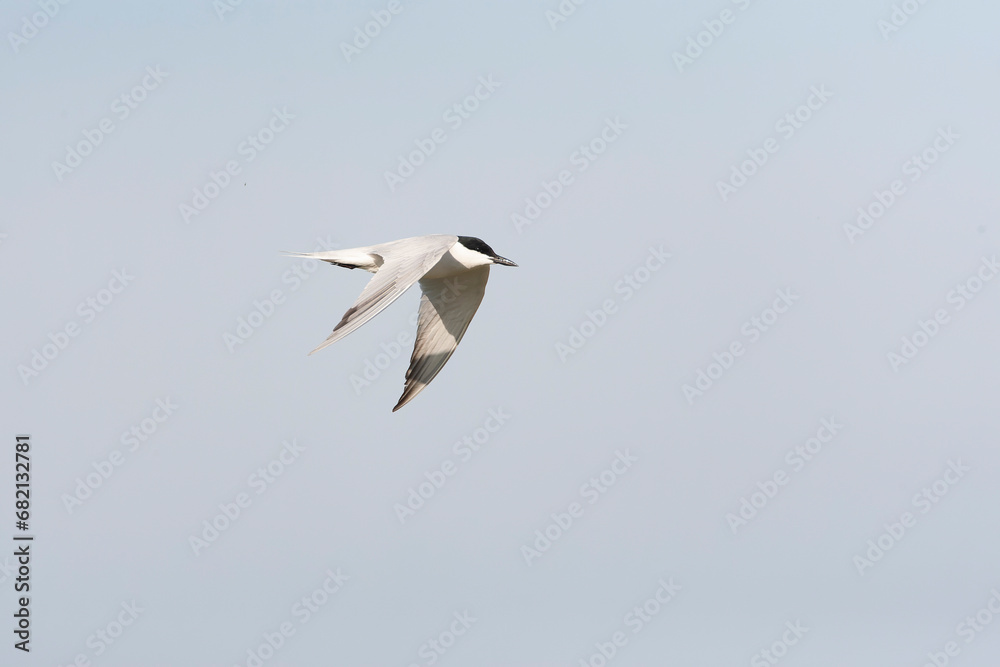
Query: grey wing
x=446, y=308
x=403, y=263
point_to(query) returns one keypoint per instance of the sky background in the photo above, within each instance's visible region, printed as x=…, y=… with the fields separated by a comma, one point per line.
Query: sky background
x=670, y=516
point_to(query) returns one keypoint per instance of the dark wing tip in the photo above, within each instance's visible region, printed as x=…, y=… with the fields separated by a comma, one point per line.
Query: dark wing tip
x=410, y=392
x=346, y=317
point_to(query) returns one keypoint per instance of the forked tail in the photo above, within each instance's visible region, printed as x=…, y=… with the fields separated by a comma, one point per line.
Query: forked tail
x=354, y=258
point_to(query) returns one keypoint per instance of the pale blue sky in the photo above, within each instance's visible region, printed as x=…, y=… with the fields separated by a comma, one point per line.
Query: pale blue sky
x=183, y=286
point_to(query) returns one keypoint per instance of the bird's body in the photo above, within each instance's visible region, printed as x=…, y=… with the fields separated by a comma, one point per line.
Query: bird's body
x=452, y=271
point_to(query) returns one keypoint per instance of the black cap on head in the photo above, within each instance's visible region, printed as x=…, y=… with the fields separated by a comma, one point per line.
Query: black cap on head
x=473, y=243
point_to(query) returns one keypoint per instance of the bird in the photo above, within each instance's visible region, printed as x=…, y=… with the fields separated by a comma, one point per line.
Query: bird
x=452, y=272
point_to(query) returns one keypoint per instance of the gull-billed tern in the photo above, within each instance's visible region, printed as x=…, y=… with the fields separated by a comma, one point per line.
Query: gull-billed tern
x=452, y=271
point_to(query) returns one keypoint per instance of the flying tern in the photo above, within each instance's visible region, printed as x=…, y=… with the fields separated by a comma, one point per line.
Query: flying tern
x=452, y=272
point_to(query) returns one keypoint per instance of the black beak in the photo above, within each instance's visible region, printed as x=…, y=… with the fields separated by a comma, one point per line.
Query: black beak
x=497, y=259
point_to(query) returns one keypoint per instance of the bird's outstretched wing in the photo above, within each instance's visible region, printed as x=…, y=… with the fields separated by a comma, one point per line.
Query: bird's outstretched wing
x=403, y=263
x=446, y=308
